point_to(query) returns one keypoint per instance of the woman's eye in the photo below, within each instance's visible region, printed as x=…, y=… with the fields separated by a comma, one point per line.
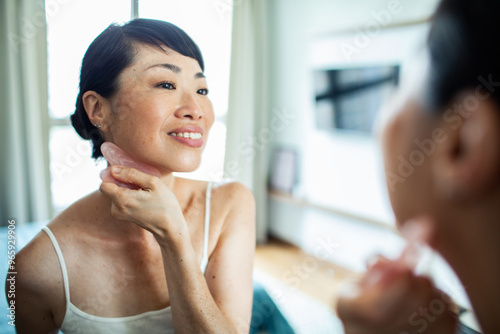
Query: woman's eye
x=203, y=91
x=166, y=85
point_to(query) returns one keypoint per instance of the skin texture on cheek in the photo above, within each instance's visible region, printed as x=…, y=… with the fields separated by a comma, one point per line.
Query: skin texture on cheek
x=130, y=99
x=130, y=122
x=136, y=116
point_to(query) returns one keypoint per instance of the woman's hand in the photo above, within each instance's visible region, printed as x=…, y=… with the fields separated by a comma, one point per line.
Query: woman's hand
x=153, y=206
x=391, y=299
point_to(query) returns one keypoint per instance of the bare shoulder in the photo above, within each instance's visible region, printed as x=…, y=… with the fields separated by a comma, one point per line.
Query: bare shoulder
x=39, y=298
x=36, y=264
x=233, y=188
x=235, y=200
x=225, y=195
x=234, y=194
x=39, y=288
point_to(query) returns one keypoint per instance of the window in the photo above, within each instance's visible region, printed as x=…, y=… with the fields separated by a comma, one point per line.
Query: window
x=71, y=27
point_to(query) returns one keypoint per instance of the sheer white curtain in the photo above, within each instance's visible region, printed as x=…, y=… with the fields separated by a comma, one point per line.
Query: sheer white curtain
x=247, y=152
x=24, y=175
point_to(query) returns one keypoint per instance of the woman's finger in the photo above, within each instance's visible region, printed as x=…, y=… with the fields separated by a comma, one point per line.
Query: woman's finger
x=115, y=193
x=133, y=176
x=106, y=176
x=122, y=204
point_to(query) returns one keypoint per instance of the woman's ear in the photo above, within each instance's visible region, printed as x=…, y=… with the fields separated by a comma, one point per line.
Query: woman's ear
x=97, y=109
x=467, y=163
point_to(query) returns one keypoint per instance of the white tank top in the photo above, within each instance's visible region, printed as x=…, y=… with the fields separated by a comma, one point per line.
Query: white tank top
x=152, y=322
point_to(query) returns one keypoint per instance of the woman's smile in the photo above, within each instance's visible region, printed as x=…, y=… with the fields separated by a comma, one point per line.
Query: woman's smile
x=188, y=135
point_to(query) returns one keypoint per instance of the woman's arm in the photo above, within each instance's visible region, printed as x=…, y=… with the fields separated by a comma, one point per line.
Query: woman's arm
x=34, y=289
x=223, y=305
x=221, y=302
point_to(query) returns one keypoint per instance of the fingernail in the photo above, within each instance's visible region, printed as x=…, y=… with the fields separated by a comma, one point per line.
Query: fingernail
x=116, y=169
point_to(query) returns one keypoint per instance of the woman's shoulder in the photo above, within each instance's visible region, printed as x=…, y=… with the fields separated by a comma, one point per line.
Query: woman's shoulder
x=226, y=196
x=233, y=192
x=233, y=199
x=41, y=249
x=228, y=191
x=35, y=255
x=79, y=214
x=38, y=270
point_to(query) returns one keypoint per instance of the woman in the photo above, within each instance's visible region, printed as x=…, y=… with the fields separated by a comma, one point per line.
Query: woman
x=173, y=254
x=451, y=120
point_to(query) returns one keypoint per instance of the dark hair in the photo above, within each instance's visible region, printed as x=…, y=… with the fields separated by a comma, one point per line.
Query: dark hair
x=464, y=47
x=113, y=51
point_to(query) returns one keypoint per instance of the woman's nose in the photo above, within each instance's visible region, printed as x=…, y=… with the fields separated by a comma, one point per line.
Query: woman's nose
x=189, y=107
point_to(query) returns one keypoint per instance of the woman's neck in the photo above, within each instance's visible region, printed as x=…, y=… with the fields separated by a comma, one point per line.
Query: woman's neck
x=169, y=180
x=471, y=244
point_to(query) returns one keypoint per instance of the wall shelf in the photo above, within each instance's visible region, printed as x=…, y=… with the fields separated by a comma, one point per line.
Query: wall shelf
x=302, y=202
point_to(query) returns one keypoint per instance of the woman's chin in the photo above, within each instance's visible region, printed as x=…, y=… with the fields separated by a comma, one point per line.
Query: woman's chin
x=186, y=170
x=185, y=167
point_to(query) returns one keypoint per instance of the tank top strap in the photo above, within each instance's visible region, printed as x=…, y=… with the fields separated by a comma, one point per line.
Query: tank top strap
x=204, y=259
x=61, y=263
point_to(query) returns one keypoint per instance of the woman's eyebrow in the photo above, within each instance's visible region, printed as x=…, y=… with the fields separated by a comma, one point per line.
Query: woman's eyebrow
x=171, y=67
x=176, y=69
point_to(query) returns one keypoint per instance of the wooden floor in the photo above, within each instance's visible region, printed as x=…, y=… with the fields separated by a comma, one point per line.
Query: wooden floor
x=313, y=276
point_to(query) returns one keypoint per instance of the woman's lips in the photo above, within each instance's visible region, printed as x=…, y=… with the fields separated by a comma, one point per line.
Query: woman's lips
x=190, y=135
x=193, y=139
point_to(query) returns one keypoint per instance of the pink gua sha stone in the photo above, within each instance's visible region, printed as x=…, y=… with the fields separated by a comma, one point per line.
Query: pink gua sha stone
x=117, y=156
x=417, y=234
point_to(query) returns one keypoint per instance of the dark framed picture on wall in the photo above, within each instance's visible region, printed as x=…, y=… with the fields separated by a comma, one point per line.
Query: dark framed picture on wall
x=349, y=98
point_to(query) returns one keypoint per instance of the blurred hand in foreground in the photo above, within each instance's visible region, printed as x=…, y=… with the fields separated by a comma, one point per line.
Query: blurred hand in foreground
x=391, y=299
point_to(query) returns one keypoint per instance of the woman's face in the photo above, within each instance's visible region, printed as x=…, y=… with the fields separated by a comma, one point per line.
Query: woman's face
x=408, y=146
x=161, y=114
